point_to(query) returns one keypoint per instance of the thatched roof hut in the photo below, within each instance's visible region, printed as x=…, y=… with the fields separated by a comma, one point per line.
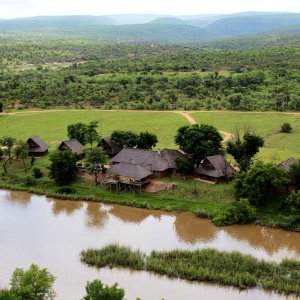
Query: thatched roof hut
x=110, y=147
x=133, y=171
x=286, y=165
x=37, y=147
x=72, y=145
x=161, y=163
x=215, y=168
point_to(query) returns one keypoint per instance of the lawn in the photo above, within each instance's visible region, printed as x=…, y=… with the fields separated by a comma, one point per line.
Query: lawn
x=278, y=146
x=52, y=125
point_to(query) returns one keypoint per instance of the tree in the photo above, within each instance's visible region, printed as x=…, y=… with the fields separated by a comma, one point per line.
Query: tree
x=239, y=212
x=63, y=168
x=32, y=284
x=21, y=151
x=199, y=141
x=244, y=150
x=77, y=131
x=294, y=173
x=125, y=138
x=293, y=202
x=147, y=140
x=95, y=160
x=84, y=133
x=257, y=183
x=286, y=128
x=8, y=142
x=91, y=134
x=95, y=290
x=183, y=166
x=1, y=107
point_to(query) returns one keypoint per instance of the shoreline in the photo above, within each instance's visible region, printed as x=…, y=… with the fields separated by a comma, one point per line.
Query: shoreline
x=134, y=203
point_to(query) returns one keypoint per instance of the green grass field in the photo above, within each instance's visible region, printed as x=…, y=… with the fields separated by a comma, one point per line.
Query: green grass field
x=52, y=125
x=278, y=146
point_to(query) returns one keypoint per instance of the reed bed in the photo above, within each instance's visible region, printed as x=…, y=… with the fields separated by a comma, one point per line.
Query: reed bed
x=209, y=265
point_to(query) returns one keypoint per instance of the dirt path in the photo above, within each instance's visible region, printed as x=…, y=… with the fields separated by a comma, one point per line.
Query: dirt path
x=227, y=135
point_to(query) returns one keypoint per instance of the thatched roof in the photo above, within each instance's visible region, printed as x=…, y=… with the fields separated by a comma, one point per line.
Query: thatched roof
x=111, y=147
x=72, y=145
x=130, y=170
x=215, y=166
x=286, y=165
x=155, y=161
x=37, y=145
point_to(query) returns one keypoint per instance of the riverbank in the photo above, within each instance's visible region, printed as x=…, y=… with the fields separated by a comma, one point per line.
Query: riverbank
x=188, y=196
x=209, y=265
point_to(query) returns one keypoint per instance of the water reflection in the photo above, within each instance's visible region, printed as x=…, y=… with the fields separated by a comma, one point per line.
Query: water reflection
x=52, y=233
x=95, y=216
x=181, y=230
x=65, y=207
x=132, y=214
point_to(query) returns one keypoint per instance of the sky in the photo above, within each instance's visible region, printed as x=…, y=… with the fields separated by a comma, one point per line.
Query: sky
x=25, y=8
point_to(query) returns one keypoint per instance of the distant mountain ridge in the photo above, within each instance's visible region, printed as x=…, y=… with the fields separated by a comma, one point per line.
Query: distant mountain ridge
x=157, y=28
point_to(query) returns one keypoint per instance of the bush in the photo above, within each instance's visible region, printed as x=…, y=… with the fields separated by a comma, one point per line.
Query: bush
x=183, y=166
x=32, y=284
x=95, y=290
x=240, y=212
x=29, y=181
x=7, y=295
x=66, y=190
x=286, y=128
x=293, y=203
x=200, y=213
x=37, y=173
x=256, y=185
x=63, y=168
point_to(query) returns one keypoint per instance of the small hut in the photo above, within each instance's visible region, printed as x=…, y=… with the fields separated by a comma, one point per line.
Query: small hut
x=215, y=168
x=71, y=145
x=110, y=147
x=129, y=176
x=286, y=167
x=36, y=146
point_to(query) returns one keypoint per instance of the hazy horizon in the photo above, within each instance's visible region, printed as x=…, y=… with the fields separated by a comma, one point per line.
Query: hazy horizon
x=10, y=9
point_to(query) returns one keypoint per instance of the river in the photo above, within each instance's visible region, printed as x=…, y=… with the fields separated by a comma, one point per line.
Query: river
x=51, y=233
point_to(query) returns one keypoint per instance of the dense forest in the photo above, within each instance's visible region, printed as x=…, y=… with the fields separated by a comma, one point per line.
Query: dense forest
x=148, y=76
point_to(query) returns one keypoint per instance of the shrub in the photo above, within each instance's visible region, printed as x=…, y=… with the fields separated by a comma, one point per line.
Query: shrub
x=293, y=203
x=29, y=181
x=8, y=295
x=63, y=168
x=257, y=183
x=183, y=166
x=200, y=213
x=240, y=212
x=66, y=190
x=32, y=284
x=286, y=128
x=95, y=290
x=37, y=173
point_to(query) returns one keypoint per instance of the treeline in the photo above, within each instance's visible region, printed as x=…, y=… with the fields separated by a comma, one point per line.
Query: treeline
x=149, y=77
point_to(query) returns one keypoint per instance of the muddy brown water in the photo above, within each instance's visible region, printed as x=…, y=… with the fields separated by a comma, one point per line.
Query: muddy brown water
x=52, y=233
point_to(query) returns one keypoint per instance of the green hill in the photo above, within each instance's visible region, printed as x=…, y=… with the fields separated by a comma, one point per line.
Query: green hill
x=169, y=20
x=250, y=24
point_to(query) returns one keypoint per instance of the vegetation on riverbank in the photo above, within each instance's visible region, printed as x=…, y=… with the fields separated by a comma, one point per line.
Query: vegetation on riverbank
x=188, y=195
x=232, y=269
